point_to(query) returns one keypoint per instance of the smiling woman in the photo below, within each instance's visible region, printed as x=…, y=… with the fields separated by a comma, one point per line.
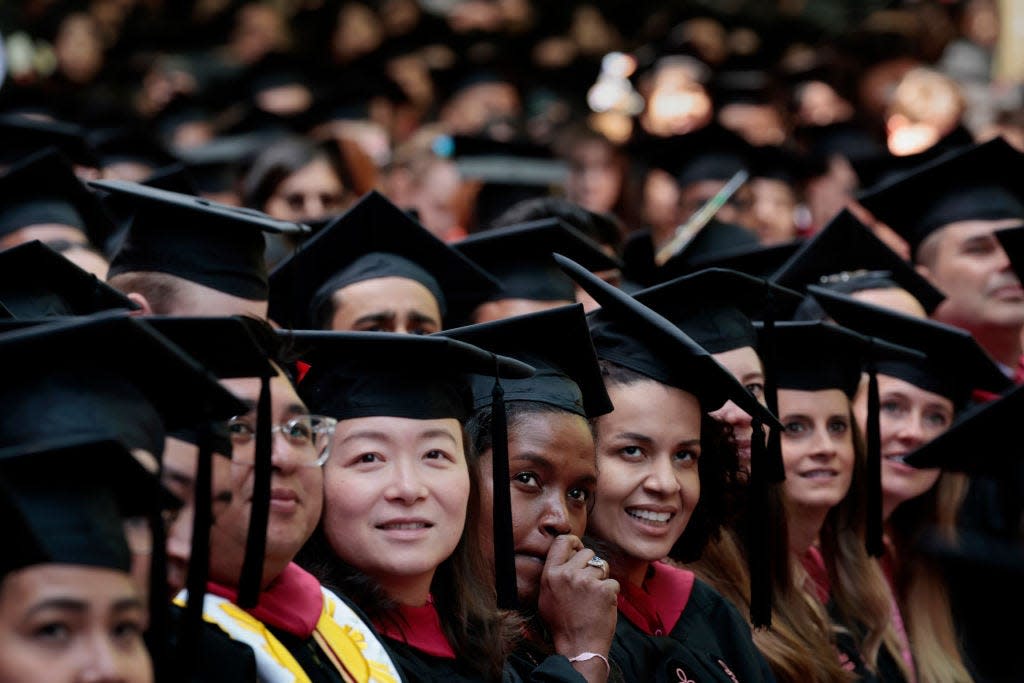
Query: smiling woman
x=398, y=533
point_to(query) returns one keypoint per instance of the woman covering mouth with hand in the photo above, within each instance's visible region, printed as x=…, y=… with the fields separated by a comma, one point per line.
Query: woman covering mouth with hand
x=563, y=589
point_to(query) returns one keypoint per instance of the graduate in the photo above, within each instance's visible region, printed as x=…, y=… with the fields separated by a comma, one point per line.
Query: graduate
x=665, y=467
x=70, y=609
x=399, y=533
x=918, y=401
x=562, y=588
x=375, y=269
x=749, y=562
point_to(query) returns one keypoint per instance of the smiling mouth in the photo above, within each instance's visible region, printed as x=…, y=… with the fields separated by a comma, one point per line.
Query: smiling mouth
x=404, y=526
x=819, y=474
x=649, y=516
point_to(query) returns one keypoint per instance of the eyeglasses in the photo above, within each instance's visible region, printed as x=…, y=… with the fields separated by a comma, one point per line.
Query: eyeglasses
x=310, y=435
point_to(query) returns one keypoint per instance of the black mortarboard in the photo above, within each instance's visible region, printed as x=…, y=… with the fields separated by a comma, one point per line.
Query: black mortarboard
x=21, y=136
x=72, y=495
x=815, y=356
x=212, y=244
x=373, y=239
x=1012, y=240
x=980, y=182
x=715, y=306
x=363, y=374
x=106, y=373
x=845, y=250
x=983, y=440
x=129, y=144
x=520, y=257
x=556, y=342
x=955, y=363
x=779, y=163
x=818, y=355
x=37, y=282
x=43, y=188
x=628, y=333
x=756, y=260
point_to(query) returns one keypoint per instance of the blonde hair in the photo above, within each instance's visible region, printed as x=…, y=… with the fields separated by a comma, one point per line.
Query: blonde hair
x=926, y=95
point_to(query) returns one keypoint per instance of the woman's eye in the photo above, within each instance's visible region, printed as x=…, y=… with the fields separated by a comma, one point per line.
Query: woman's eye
x=687, y=456
x=794, y=427
x=631, y=451
x=435, y=454
x=527, y=478
x=891, y=407
x=367, y=458
x=580, y=494
x=938, y=420
x=838, y=426
x=128, y=630
x=56, y=631
x=755, y=388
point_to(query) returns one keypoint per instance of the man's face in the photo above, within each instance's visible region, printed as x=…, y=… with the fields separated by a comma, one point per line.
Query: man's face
x=970, y=267
x=296, y=488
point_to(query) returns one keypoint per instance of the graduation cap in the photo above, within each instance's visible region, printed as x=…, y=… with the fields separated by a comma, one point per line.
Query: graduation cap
x=955, y=364
x=21, y=136
x=711, y=241
x=846, y=254
x=1012, y=240
x=756, y=260
x=72, y=495
x=630, y=334
x=980, y=182
x=42, y=188
x=556, y=342
x=105, y=373
x=365, y=374
x=129, y=144
x=520, y=257
x=373, y=239
x=983, y=440
x=37, y=282
x=212, y=244
x=815, y=356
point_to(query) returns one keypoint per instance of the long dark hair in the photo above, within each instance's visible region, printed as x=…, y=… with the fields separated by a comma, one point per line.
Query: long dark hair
x=463, y=593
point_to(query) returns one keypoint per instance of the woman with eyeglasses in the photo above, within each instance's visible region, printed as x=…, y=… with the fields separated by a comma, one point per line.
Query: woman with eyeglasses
x=298, y=630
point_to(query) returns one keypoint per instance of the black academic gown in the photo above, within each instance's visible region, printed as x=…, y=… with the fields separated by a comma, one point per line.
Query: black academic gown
x=678, y=629
x=220, y=657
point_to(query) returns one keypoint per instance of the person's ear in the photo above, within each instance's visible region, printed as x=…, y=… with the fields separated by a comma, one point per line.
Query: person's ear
x=925, y=272
x=143, y=303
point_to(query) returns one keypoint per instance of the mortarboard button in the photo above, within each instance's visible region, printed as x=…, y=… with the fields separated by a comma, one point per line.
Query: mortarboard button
x=846, y=249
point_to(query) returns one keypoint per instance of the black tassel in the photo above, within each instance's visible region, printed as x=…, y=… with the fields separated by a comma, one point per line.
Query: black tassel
x=759, y=532
x=504, y=546
x=775, y=470
x=188, y=654
x=874, y=544
x=158, y=633
x=256, y=541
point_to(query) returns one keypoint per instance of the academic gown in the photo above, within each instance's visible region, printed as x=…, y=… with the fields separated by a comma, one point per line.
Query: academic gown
x=423, y=654
x=678, y=629
x=301, y=632
x=220, y=657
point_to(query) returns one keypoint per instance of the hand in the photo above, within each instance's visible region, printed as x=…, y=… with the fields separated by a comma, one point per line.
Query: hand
x=578, y=602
